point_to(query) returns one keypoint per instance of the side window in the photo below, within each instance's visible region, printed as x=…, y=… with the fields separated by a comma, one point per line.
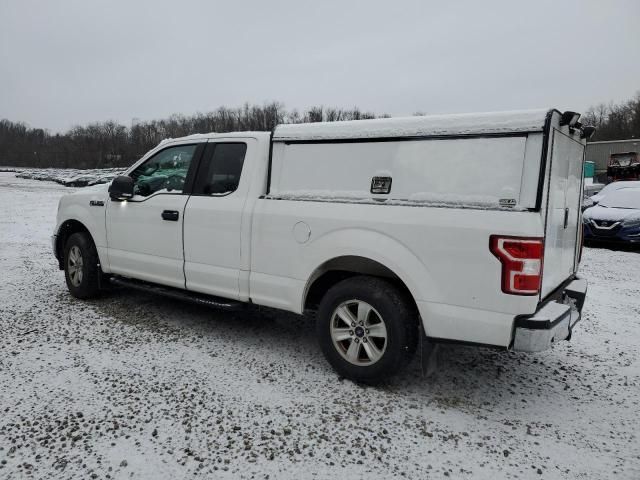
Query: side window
x=220, y=175
x=166, y=171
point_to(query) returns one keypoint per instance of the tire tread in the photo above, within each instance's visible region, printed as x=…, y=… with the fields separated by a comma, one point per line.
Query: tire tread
x=90, y=286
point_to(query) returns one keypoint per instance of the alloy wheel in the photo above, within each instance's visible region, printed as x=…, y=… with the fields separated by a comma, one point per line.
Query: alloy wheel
x=358, y=332
x=74, y=266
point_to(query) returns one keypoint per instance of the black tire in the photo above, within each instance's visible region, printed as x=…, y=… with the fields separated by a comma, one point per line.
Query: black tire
x=397, y=311
x=88, y=285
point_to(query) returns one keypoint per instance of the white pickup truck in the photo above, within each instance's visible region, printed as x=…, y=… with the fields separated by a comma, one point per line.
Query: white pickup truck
x=463, y=228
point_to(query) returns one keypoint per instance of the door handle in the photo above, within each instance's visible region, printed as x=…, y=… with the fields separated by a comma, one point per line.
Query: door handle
x=566, y=217
x=171, y=215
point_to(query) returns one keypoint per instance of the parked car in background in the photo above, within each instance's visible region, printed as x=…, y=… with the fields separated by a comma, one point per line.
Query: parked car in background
x=81, y=181
x=587, y=202
x=591, y=189
x=98, y=179
x=612, y=187
x=615, y=219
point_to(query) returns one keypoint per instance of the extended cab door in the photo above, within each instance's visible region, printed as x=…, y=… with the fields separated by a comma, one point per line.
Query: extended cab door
x=213, y=219
x=144, y=234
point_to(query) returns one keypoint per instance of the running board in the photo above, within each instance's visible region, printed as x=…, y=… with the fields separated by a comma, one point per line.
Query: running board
x=178, y=294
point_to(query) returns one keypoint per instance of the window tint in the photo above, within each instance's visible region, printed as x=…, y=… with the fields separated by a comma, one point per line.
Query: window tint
x=220, y=175
x=166, y=171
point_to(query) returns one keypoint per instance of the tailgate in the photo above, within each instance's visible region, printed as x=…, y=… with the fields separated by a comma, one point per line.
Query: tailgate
x=563, y=213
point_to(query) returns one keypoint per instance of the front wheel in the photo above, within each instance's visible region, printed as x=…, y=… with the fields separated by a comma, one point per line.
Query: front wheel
x=81, y=266
x=367, y=328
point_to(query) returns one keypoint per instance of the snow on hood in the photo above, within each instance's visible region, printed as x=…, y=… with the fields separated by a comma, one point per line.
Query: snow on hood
x=613, y=214
x=99, y=188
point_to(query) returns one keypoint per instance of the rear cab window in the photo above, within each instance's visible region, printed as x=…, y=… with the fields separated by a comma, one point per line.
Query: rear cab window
x=220, y=171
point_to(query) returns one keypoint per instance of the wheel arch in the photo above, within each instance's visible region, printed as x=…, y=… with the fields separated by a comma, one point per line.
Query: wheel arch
x=351, y=251
x=65, y=230
x=342, y=267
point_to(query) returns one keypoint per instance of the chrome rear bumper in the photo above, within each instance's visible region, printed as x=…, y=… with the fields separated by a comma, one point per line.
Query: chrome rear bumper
x=552, y=322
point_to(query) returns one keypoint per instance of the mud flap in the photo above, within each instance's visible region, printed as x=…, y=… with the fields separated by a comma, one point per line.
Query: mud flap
x=429, y=355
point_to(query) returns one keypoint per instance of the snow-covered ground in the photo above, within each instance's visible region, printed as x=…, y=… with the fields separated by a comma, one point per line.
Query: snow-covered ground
x=138, y=386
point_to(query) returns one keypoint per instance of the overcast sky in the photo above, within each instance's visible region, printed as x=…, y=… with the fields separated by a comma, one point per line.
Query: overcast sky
x=71, y=62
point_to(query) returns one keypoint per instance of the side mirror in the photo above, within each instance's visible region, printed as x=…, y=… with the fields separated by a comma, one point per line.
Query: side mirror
x=121, y=188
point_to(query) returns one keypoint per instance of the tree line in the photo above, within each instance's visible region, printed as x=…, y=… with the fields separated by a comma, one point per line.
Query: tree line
x=615, y=121
x=111, y=144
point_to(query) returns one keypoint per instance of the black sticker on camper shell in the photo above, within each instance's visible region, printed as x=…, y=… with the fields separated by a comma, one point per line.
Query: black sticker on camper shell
x=381, y=185
x=507, y=202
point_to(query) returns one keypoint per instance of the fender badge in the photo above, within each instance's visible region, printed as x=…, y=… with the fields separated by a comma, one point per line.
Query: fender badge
x=96, y=203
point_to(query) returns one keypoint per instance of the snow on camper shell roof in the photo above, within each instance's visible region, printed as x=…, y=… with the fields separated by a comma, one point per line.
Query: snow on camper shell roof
x=417, y=126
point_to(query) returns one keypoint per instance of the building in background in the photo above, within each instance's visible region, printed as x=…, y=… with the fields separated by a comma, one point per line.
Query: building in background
x=599, y=153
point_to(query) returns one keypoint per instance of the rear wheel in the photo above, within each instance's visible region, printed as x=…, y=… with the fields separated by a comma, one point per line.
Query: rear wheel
x=367, y=328
x=81, y=266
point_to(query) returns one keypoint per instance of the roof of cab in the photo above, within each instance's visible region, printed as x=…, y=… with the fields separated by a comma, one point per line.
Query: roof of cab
x=490, y=123
x=214, y=135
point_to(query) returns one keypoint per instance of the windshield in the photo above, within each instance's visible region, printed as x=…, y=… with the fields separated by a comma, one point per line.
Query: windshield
x=625, y=198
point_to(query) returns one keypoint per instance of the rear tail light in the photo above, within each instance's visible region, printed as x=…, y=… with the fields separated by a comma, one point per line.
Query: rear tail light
x=521, y=259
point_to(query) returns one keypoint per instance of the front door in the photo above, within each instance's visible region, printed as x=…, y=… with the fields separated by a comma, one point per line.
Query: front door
x=213, y=220
x=144, y=234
